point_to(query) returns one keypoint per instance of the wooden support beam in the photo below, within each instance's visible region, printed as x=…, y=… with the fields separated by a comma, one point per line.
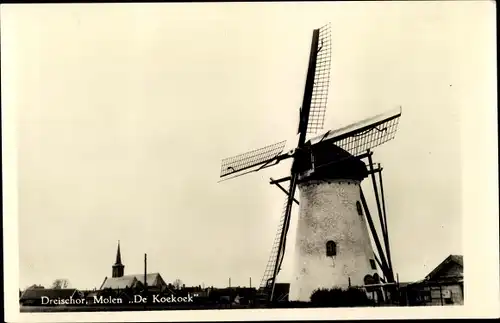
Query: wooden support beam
x=379, y=208
x=385, y=267
x=284, y=231
x=365, y=155
x=375, y=190
x=378, y=285
x=276, y=181
x=388, y=246
x=379, y=264
x=286, y=192
x=375, y=170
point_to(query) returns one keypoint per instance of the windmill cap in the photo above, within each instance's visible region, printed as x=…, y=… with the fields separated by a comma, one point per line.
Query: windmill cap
x=327, y=161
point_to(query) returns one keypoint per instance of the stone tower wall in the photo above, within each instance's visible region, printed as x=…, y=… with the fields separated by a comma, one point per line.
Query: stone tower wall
x=327, y=212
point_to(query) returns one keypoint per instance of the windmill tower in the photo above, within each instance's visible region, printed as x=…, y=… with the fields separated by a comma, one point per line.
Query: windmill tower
x=333, y=245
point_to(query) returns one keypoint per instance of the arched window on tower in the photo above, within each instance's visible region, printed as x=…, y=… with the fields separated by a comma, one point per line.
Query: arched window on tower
x=359, y=208
x=331, y=249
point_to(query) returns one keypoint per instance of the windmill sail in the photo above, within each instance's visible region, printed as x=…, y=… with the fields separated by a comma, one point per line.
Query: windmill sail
x=311, y=119
x=312, y=115
x=286, y=224
x=319, y=97
x=271, y=263
x=262, y=157
x=363, y=135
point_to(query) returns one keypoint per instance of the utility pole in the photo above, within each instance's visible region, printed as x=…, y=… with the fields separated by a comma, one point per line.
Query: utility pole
x=145, y=272
x=145, y=278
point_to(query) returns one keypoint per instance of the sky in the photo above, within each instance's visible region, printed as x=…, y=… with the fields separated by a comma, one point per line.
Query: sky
x=124, y=112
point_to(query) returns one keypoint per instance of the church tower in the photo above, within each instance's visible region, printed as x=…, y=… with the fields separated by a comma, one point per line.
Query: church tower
x=118, y=267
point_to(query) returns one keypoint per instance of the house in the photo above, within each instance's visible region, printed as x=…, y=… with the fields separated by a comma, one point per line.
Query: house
x=90, y=297
x=39, y=296
x=444, y=285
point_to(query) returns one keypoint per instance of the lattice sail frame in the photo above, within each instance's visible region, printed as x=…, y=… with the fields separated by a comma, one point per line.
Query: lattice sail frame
x=251, y=159
x=319, y=97
x=358, y=137
x=269, y=272
x=359, y=143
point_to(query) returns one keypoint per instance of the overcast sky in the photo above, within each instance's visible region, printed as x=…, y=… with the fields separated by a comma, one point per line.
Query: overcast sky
x=126, y=110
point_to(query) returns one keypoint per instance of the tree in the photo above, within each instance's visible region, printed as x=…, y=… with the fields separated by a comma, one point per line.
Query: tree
x=60, y=283
x=177, y=283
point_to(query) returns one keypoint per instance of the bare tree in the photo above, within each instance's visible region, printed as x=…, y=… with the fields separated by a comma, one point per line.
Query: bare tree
x=177, y=283
x=60, y=283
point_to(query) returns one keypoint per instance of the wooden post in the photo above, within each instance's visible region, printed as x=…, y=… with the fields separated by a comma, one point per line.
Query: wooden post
x=385, y=268
x=286, y=223
x=388, y=247
x=285, y=191
x=441, y=293
x=145, y=276
x=398, y=288
x=380, y=266
x=146, y=271
x=379, y=208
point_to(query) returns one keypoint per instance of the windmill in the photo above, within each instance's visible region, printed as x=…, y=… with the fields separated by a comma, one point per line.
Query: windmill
x=333, y=246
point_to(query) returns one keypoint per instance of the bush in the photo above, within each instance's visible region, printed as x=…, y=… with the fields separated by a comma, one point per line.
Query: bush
x=337, y=297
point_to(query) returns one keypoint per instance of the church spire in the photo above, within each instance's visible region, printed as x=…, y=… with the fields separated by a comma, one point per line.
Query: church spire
x=118, y=255
x=118, y=267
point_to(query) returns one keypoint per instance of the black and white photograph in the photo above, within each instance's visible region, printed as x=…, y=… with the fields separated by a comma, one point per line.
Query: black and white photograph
x=225, y=160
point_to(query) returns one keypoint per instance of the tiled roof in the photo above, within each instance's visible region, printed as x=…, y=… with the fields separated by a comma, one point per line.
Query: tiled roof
x=151, y=278
x=119, y=282
x=458, y=259
x=37, y=293
x=130, y=281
